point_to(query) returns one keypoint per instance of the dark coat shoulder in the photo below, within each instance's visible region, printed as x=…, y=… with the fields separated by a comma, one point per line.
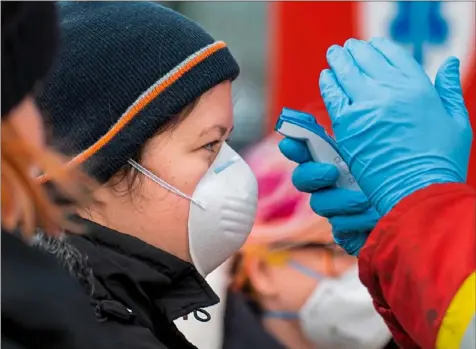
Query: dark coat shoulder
x=42, y=306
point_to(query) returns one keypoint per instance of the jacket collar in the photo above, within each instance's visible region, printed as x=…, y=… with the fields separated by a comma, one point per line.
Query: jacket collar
x=144, y=278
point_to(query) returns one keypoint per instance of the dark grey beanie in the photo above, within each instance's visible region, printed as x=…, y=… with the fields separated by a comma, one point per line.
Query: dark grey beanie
x=29, y=44
x=125, y=69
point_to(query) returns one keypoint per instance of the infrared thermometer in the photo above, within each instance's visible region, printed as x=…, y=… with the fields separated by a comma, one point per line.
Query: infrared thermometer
x=302, y=126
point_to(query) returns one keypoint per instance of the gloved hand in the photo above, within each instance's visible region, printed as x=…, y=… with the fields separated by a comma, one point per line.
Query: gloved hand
x=397, y=132
x=349, y=212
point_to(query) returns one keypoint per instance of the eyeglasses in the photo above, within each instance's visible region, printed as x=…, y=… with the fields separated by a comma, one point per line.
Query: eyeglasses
x=330, y=258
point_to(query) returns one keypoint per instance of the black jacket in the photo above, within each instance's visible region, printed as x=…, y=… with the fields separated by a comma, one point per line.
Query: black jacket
x=136, y=290
x=42, y=306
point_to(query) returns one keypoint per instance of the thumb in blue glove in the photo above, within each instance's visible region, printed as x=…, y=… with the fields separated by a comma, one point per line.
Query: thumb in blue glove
x=349, y=212
x=448, y=86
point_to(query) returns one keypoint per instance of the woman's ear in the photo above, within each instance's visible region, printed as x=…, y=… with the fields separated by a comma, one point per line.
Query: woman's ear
x=262, y=278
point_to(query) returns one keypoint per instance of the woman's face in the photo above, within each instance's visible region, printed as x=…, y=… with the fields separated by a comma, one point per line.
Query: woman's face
x=282, y=287
x=180, y=156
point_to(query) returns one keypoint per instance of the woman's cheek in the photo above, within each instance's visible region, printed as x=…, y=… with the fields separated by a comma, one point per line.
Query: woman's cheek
x=191, y=171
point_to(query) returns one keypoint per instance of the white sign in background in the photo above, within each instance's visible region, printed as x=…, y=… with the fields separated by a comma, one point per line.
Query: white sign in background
x=375, y=19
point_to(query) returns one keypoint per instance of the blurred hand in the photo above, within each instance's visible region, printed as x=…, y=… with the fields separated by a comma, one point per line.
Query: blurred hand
x=397, y=132
x=349, y=212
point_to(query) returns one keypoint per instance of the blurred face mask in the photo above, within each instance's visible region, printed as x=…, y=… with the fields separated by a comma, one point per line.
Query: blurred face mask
x=339, y=314
x=222, y=209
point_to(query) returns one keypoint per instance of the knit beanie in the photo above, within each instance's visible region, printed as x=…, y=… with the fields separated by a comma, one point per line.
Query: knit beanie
x=29, y=44
x=125, y=70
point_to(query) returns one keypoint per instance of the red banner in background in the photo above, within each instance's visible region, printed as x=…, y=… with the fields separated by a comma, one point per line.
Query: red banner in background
x=300, y=34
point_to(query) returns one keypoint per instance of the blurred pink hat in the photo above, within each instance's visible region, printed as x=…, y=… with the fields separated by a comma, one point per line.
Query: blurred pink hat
x=284, y=214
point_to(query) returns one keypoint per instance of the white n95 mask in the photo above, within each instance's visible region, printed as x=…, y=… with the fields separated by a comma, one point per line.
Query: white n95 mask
x=222, y=209
x=339, y=314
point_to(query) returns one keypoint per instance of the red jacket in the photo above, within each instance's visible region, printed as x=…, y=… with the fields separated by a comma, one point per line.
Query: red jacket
x=419, y=266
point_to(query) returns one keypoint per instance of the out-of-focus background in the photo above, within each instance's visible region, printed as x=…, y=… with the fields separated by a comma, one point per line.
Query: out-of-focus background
x=281, y=48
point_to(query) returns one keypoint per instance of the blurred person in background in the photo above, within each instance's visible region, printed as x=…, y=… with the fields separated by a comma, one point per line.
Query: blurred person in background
x=42, y=307
x=141, y=100
x=292, y=287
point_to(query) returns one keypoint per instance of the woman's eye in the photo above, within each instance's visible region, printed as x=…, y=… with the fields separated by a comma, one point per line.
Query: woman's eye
x=215, y=145
x=212, y=146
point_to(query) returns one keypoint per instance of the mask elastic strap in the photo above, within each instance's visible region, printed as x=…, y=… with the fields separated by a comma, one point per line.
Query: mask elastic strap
x=285, y=315
x=163, y=183
x=306, y=271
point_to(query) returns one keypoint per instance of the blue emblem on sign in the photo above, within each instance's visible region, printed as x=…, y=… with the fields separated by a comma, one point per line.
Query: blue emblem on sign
x=419, y=23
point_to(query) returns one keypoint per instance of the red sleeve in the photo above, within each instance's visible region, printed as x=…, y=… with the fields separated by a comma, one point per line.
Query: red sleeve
x=418, y=257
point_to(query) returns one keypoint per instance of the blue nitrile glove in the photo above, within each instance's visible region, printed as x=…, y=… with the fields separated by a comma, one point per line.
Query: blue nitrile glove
x=348, y=211
x=397, y=132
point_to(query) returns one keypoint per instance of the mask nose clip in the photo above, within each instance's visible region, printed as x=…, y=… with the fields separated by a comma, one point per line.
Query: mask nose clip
x=226, y=164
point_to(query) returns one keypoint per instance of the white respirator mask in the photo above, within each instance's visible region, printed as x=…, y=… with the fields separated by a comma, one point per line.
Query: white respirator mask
x=339, y=314
x=222, y=209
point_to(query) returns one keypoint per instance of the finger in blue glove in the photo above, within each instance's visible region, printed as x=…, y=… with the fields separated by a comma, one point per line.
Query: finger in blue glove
x=350, y=215
x=295, y=150
x=311, y=176
x=351, y=231
x=337, y=201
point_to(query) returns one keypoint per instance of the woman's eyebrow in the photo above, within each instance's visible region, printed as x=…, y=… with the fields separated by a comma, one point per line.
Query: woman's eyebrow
x=222, y=129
